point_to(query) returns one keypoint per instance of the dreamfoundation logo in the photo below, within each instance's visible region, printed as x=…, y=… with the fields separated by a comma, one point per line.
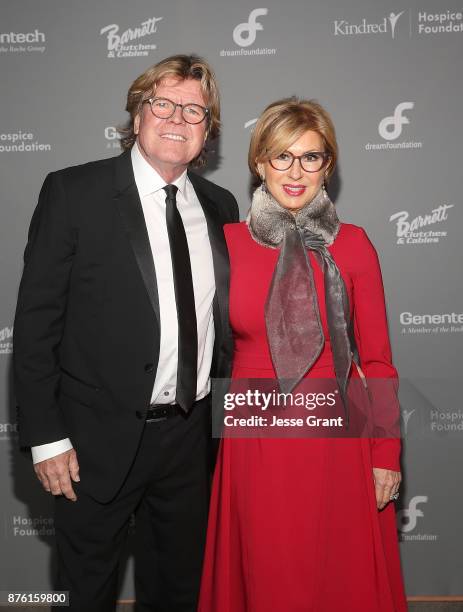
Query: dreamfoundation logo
x=409, y=231
x=6, y=341
x=21, y=142
x=244, y=35
x=407, y=521
x=22, y=42
x=443, y=323
x=118, y=43
x=390, y=128
x=387, y=25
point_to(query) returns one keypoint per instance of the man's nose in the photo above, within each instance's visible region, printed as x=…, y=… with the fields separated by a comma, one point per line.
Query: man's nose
x=177, y=116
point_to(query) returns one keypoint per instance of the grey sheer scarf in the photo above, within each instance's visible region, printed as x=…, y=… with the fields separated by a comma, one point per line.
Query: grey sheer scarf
x=292, y=314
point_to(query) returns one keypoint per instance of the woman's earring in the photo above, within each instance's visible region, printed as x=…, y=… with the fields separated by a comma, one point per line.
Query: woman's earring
x=263, y=185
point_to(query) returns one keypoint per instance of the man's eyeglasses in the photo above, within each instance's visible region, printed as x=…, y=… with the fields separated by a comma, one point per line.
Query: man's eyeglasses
x=312, y=161
x=163, y=108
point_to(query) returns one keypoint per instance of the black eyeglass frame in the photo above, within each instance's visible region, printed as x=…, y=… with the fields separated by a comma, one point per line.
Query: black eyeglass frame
x=206, y=111
x=326, y=157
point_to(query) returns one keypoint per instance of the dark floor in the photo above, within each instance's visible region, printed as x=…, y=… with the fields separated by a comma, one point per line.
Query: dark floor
x=422, y=606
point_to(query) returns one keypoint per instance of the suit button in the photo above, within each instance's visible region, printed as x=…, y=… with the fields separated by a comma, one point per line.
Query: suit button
x=139, y=414
x=149, y=367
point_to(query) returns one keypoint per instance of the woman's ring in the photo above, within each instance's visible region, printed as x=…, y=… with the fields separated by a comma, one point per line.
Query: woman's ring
x=395, y=496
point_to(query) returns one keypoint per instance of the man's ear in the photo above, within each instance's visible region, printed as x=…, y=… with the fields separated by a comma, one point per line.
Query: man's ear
x=136, y=124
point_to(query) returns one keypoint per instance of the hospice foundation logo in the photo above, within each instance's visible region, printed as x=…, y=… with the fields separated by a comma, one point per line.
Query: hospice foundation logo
x=122, y=44
x=390, y=129
x=409, y=518
x=22, y=142
x=387, y=25
x=245, y=34
x=6, y=341
x=22, y=42
x=8, y=431
x=444, y=22
x=446, y=421
x=429, y=324
x=414, y=230
x=30, y=526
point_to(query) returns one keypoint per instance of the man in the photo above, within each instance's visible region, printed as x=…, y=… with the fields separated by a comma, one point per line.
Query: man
x=121, y=321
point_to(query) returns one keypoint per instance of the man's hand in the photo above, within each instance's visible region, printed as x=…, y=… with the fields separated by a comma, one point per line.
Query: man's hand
x=387, y=483
x=55, y=474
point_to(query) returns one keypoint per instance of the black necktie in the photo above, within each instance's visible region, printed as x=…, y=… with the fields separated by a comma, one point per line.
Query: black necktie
x=184, y=297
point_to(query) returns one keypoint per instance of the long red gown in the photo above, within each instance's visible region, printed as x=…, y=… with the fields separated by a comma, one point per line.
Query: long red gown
x=293, y=523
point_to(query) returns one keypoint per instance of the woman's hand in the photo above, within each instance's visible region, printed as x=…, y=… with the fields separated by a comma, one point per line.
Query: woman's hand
x=387, y=484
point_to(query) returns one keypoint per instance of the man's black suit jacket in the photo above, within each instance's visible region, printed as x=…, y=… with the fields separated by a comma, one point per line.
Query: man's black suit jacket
x=87, y=329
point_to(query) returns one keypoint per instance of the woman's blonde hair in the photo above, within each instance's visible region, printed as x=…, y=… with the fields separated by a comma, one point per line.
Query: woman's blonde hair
x=178, y=67
x=285, y=121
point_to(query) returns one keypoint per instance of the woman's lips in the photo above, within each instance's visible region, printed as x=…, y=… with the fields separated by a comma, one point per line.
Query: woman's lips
x=294, y=190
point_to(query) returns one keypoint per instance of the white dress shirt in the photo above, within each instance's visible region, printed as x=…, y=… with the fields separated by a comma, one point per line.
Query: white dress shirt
x=152, y=196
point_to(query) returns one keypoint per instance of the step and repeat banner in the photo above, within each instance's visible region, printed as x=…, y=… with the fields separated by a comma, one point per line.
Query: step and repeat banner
x=390, y=74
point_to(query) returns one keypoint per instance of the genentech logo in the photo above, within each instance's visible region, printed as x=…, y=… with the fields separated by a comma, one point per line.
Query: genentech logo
x=6, y=341
x=390, y=128
x=120, y=44
x=409, y=230
x=14, y=142
x=407, y=521
x=437, y=323
x=244, y=35
x=112, y=137
x=22, y=42
x=342, y=27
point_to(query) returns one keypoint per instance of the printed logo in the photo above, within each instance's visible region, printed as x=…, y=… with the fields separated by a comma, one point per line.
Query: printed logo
x=395, y=121
x=112, y=137
x=22, y=42
x=446, y=420
x=250, y=123
x=249, y=28
x=244, y=35
x=8, y=431
x=408, y=231
x=390, y=128
x=21, y=142
x=6, y=341
x=407, y=521
x=27, y=526
x=388, y=24
x=406, y=414
x=445, y=323
x=440, y=23
x=118, y=43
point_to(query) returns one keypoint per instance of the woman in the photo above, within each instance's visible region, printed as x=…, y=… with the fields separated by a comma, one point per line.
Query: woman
x=299, y=525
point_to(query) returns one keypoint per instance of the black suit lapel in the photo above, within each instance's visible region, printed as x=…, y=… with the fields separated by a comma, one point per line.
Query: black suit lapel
x=130, y=209
x=219, y=254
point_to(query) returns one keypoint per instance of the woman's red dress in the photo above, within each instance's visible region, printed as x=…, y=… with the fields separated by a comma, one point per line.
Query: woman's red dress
x=293, y=523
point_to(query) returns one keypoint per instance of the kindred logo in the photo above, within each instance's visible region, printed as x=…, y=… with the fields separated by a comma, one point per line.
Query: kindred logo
x=249, y=28
x=407, y=521
x=390, y=128
x=406, y=414
x=244, y=35
x=388, y=24
x=22, y=42
x=112, y=137
x=118, y=42
x=395, y=121
x=408, y=231
x=6, y=341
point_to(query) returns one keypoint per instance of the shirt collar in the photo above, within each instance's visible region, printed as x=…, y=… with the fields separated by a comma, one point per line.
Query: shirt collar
x=147, y=179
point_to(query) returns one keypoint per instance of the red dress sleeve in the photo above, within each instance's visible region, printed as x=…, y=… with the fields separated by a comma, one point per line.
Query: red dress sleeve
x=372, y=337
